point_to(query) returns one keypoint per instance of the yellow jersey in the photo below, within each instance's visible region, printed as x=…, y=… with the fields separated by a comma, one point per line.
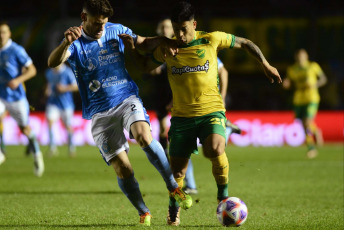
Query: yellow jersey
x=305, y=81
x=193, y=74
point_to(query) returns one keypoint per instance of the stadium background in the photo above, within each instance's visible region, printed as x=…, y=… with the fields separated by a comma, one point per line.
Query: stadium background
x=278, y=27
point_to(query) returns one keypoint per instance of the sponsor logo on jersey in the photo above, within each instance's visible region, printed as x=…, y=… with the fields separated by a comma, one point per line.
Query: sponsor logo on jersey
x=191, y=69
x=91, y=64
x=102, y=51
x=94, y=85
x=200, y=53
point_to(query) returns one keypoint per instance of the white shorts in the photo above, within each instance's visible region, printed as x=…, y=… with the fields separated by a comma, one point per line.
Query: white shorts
x=53, y=113
x=107, y=127
x=2, y=108
x=19, y=110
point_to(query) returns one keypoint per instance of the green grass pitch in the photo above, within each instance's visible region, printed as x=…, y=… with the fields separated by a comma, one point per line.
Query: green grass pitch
x=282, y=189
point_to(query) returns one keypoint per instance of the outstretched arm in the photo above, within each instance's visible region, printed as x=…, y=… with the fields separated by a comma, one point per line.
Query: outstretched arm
x=144, y=63
x=270, y=71
x=148, y=44
x=60, y=54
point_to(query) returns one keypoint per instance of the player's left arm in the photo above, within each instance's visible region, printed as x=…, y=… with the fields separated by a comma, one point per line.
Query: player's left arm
x=270, y=71
x=143, y=62
x=322, y=79
x=223, y=77
x=149, y=44
x=28, y=72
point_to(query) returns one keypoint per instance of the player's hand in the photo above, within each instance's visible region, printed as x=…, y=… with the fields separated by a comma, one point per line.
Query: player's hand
x=72, y=34
x=170, y=47
x=128, y=41
x=13, y=84
x=272, y=73
x=61, y=88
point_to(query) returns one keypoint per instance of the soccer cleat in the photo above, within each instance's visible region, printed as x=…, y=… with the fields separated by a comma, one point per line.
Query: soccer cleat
x=173, y=216
x=145, y=219
x=190, y=191
x=235, y=128
x=38, y=164
x=184, y=200
x=2, y=158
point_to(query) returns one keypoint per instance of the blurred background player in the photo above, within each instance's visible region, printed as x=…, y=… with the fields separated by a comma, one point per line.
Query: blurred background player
x=16, y=67
x=163, y=93
x=61, y=84
x=306, y=77
x=2, y=117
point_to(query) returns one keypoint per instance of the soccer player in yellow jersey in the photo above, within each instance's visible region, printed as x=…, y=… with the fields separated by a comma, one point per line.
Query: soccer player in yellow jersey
x=198, y=110
x=306, y=77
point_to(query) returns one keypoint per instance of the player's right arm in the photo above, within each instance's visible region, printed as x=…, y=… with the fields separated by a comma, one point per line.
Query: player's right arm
x=270, y=71
x=60, y=54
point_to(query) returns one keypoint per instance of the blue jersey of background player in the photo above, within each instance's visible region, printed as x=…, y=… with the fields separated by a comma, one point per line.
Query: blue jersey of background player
x=61, y=84
x=95, y=52
x=61, y=76
x=99, y=68
x=16, y=67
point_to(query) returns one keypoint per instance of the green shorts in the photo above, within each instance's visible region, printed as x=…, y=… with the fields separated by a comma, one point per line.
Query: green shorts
x=184, y=132
x=306, y=111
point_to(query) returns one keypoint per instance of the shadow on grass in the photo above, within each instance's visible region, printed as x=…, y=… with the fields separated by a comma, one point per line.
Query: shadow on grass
x=59, y=193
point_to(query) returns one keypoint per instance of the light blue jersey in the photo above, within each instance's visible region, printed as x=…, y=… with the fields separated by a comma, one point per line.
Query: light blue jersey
x=13, y=58
x=219, y=63
x=64, y=76
x=100, y=71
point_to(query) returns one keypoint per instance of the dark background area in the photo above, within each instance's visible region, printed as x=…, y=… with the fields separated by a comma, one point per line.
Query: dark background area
x=277, y=27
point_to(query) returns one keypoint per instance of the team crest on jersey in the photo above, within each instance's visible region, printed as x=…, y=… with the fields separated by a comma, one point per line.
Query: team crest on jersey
x=200, y=53
x=191, y=69
x=91, y=64
x=94, y=85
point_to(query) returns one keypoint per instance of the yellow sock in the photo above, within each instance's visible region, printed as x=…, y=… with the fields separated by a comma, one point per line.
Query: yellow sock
x=180, y=181
x=220, y=169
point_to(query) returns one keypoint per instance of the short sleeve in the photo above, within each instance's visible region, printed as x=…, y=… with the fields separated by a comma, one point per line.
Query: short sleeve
x=126, y=30
x=223, y=40
x=23, y=57
x=158, y=56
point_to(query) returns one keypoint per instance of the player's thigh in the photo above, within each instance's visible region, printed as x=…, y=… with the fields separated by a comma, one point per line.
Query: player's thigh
x=183, y=137
x=67, y=116
x=300, y=111
x=311, y=110
x=212, y=133
x=19, y=110
x=133, y=111
x=107, y=132
x=52, y=112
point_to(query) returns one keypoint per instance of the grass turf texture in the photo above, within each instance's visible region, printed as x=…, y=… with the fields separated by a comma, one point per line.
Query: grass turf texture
x=282, y=189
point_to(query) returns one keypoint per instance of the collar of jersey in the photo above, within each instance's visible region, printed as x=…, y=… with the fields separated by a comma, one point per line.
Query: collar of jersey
x=195, y=41
x=90, y=38
x=8, y=44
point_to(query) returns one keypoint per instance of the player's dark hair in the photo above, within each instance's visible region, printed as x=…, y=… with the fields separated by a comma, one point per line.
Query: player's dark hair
x=3, y=22
x=182, y=11
x=98, y=7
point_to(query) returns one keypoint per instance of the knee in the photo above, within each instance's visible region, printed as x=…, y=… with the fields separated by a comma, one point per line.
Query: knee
x=144, y=138
x=214, y=151
x=26, y=130
x=122, y=169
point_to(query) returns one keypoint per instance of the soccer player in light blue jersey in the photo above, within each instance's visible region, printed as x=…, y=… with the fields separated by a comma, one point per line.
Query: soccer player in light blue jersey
x=61, y=84
x=16, y=67
x=110, y=98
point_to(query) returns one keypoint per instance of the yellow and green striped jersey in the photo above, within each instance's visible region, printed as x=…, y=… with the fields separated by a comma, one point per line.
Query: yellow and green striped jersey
x=305, y=80
x=193, y=74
